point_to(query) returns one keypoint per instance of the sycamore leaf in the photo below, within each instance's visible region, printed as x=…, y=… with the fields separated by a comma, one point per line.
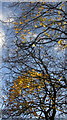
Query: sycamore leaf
x=44, y=19
x=23, y=41
x=15, y=23
x=44, y=25
x=39, y=87
x=21, y=22
x=29, y=32
x=33, y=45
x=37, y=14
x=47, y=11
x=47, y=34
x=60, y=78
x=60, y=41
x=41, y=23
x=59, y=23
x=49, y=19
x=41, y=8
x=60, y=7
x=59, y=12
x=23, y=37
x=35, y=26
x=27, y=20
x=65, y=22
x=16, y=32
x=24, y=30
x=17, y=28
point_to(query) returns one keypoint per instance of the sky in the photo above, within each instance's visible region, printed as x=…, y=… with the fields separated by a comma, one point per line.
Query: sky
x=4, y=14
x=1, y=34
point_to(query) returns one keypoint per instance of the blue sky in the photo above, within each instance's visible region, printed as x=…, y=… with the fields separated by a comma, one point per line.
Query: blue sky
x=4, y=14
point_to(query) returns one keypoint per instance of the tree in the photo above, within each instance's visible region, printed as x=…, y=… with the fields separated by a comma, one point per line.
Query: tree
x=35, y=94
x=36, y=61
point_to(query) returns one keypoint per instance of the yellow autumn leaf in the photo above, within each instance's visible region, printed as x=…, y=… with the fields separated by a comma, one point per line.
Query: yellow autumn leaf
x=37, y=15
x=16, y=32
x=39, y=87
x=28, y=86
x=20, y=82
x=17, y=28
x=59, y=18
x=29, y=32
x=50, y=19
x=15, y=23
x=60, y=7
x=38, y=11
x=65, y=22
x=31, y=89
x=60, y=79
x=23, y=37
x=59, y=12
x=19, y=91
x=35, y=26
x=21, y=22
x=59, y=23
x=44, y=19
x=33, y=45
x=47, y=11
x=47, y=34
x=63, y=26
x=60, y=41
x=27, y=20
x=33, y=70
x=41, y=8
x=41, y=23
x=24, y=30
x=44, y=25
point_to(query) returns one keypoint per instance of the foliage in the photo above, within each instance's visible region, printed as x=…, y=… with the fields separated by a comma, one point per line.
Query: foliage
x=35, y=94
x=45, y=19
x=39, y=91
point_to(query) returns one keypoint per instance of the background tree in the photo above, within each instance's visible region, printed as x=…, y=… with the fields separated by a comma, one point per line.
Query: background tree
x=39, y=31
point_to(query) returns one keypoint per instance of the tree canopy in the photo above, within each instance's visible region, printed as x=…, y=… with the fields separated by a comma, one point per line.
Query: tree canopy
x=37, y=56
x=35, y=94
